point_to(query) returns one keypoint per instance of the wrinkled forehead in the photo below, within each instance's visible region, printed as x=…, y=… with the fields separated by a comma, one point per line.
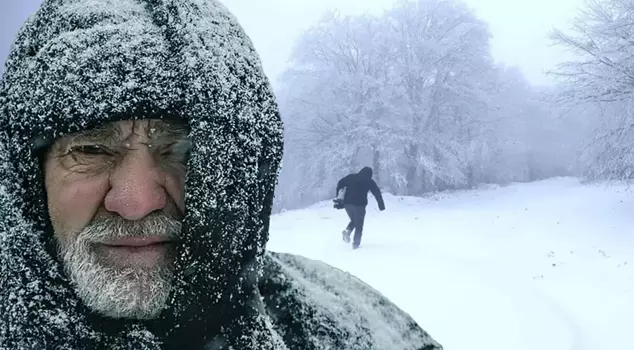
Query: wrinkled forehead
x=152, y=130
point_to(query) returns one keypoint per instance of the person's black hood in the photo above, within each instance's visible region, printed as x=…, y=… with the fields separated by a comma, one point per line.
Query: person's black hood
x=366, y=172
x=80, y=63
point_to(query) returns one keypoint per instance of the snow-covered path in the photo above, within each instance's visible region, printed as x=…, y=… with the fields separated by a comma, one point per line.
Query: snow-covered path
x=547, y=265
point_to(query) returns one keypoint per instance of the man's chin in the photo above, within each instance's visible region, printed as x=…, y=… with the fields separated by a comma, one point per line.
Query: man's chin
x=128, y=292
x=120, y=271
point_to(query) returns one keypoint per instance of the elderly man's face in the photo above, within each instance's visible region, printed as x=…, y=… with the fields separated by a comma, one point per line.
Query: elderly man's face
x=116, y=201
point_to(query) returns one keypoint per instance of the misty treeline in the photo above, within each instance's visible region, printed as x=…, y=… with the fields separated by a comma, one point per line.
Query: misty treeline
x=601, y=80
x=415, y=93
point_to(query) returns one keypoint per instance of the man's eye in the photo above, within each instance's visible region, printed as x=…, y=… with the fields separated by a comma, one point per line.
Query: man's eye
x=167, y=150
x=90, y=150
x=88, y=157
x=178, y=150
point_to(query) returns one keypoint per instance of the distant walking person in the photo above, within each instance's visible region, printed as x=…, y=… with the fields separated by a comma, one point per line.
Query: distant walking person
x=355, y=201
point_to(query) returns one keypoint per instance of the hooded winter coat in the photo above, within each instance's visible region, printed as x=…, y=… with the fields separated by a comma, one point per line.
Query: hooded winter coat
x=357, y=187
x=80, y=63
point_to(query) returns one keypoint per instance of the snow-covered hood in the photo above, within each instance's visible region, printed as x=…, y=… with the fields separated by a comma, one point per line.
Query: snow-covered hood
x=79, y=63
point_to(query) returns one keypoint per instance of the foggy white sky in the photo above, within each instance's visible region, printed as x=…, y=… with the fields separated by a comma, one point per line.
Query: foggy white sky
x=519, y=27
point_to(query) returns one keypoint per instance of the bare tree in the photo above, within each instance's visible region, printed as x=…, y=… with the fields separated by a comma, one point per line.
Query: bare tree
x=602, y=78
x=442, y=68
x=332, y=96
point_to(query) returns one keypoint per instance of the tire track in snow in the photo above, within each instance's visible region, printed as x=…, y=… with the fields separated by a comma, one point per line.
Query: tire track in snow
x=580, y=339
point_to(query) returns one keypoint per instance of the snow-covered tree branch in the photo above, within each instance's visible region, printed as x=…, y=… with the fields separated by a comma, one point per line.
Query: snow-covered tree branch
x=602, y=80
x=413, y=93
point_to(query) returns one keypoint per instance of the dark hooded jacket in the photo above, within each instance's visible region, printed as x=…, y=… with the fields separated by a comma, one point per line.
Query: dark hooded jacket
x=79, y=63
x=357, y=187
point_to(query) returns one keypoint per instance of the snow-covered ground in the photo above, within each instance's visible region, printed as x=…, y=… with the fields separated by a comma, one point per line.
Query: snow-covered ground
x=547, y=265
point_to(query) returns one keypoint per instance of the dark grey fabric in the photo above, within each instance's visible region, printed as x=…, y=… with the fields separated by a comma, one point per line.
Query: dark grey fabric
x=357, y=187
x=356, y=213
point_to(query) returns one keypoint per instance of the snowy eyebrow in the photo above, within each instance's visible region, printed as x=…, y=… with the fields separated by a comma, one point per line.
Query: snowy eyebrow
x=167, y=130
x=101, y=133
x=160, y=130
x=106, y=132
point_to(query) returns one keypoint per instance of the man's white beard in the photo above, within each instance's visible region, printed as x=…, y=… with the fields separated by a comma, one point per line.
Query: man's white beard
x=135, y=292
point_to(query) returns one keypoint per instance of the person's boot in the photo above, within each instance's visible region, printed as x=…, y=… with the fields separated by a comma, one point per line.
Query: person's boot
x=346, y=235
x=355, y=245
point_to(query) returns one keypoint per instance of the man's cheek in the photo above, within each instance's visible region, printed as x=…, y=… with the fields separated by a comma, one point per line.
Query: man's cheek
x=175, y=186
x=75, y=203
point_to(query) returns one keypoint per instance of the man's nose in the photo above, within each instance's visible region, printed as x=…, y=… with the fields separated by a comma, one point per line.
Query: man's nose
x=137, y=186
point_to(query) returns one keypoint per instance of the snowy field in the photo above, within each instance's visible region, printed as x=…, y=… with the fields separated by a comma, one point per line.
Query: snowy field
x=547, y=265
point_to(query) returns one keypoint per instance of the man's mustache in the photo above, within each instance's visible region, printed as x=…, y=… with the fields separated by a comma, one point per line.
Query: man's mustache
x=156, y=224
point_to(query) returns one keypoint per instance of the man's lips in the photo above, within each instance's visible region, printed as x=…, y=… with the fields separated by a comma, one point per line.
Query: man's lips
x=137, y=241
x=136, y=251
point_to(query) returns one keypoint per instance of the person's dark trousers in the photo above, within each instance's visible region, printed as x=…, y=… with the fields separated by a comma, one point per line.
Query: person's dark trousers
x=356, y=213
